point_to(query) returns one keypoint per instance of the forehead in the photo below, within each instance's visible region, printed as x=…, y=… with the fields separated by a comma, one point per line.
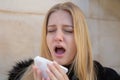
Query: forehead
x=60, y=17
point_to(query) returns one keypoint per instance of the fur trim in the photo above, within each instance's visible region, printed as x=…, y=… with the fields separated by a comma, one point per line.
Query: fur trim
x=105, y=73
x=102, y=73
x=19, y=69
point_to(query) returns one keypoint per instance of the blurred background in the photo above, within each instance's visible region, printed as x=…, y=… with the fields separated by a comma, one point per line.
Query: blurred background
x=21, y=23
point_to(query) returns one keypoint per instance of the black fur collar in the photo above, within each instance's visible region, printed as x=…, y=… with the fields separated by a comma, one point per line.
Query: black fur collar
x=103, y=73
x=18, y=70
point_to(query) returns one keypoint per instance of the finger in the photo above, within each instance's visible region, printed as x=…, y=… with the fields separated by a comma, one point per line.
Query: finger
x=51, y=75
x=48, y=78
x=60, y=70
x=39, y=77
x=36, y=73
x=54, y=70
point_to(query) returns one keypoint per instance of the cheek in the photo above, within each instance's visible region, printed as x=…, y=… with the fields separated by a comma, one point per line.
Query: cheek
x=72, y=45
x=49, y=42
x=71, y=41
x=73, y=48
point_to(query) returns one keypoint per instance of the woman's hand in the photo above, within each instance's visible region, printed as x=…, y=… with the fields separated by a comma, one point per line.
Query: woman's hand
x=55, y=72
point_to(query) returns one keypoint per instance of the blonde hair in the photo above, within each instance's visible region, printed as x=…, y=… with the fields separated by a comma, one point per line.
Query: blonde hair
x=83, y=63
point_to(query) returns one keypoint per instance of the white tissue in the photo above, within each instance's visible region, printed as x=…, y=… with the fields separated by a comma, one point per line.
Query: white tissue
x=41, y=63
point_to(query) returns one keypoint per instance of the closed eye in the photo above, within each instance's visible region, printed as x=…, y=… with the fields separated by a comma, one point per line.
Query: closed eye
x=69, y=31
x=50, y=31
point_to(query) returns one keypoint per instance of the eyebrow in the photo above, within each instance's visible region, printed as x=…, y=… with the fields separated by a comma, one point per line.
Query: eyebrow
x=51, y=25
x=63, y=25
x=67, y=25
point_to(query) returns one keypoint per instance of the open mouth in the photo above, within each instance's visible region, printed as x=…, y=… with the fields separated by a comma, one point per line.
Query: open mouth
x=59, y=50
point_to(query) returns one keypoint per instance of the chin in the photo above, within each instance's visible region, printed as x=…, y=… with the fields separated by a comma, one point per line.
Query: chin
x=60, y=62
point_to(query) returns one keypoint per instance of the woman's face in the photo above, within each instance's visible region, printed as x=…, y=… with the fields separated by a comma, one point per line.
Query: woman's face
x=60, y=37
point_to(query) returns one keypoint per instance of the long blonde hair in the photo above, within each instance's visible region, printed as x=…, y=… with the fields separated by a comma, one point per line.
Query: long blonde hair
x=83, y=63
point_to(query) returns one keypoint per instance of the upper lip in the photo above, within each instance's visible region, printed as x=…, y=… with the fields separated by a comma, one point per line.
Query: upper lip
x=59, y=46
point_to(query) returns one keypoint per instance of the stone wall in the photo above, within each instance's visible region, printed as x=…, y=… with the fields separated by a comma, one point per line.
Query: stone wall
x=20, y=29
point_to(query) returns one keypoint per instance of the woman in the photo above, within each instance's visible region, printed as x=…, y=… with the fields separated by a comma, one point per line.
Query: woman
x=65, y=40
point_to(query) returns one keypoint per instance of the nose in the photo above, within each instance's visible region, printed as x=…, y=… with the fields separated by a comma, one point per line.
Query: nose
x=59, y=36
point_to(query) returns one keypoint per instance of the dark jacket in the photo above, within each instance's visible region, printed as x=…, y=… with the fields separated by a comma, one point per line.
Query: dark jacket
x=103, y=73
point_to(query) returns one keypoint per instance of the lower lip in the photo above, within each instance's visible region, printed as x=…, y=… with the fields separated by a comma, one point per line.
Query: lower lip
x=59, y=55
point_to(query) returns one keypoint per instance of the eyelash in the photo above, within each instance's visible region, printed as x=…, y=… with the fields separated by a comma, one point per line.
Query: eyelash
x=50, y=31
x=66, y=31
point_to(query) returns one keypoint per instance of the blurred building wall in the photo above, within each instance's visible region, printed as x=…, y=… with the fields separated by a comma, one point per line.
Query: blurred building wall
x=21, y=22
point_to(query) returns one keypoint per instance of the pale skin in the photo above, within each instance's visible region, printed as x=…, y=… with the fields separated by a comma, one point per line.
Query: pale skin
x=60, y=34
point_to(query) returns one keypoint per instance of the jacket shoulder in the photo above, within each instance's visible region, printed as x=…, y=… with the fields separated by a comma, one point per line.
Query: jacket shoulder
x=18, y=69
x=105, y=73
